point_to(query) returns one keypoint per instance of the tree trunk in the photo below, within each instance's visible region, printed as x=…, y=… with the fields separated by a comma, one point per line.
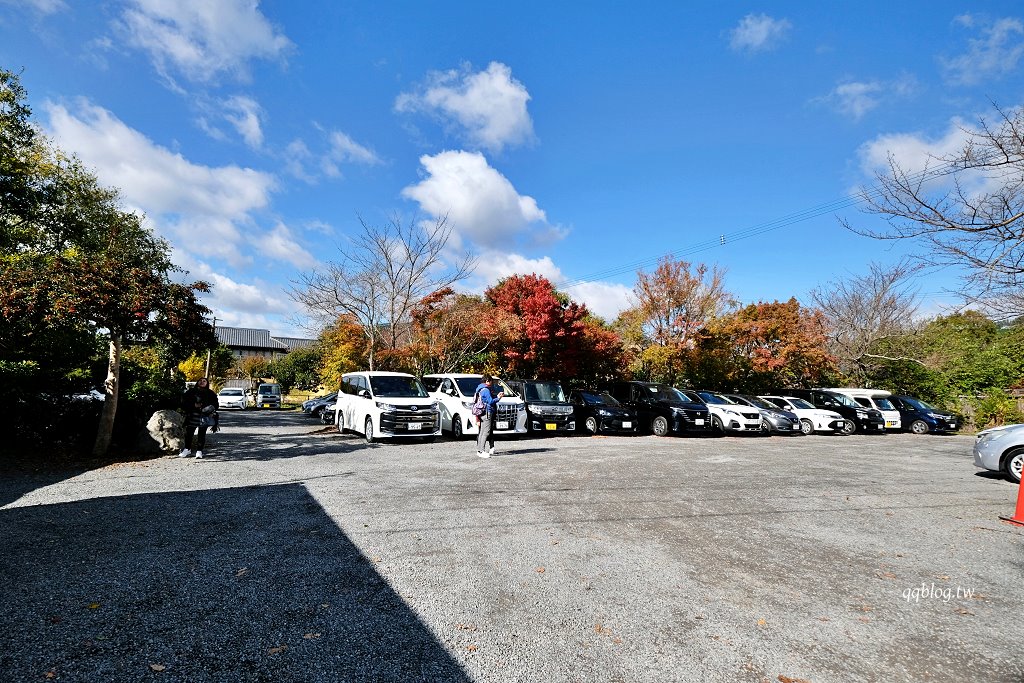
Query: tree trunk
x=110, y=386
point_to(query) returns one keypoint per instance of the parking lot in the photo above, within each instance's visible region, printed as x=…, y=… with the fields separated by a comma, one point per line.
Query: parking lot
x=296, y=553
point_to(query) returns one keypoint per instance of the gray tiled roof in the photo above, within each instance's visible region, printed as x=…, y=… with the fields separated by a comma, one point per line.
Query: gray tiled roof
x=249, y=338
x=296, y=342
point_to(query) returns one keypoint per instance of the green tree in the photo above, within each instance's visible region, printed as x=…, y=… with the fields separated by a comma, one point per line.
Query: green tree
x=299, y=369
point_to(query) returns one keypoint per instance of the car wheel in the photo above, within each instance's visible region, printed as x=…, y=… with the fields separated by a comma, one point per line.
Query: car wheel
x=659, y=426
x=326, y=416
x=368, y=430
x=716, y=425
x=849, y=427
x=339, y=420
x=1014, y=464
x=456, y=427
x=591, y=425
x=766, y=427
x=806, y=427
x=919, y=427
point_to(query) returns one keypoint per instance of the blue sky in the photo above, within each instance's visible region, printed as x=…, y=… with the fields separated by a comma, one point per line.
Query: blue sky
x=575, y=140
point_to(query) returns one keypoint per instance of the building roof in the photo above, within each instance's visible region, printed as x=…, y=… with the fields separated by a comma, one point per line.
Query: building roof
x=249, y=338
x=296, y=342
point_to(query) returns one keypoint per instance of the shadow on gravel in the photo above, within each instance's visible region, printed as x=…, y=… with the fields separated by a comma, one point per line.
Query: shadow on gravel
x=232, y=584
x=15, y=484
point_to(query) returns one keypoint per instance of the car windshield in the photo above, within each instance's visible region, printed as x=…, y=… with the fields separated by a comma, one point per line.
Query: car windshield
x=883, y=404
x=598, y=399
x=660, y=392
x=714, y=398
x=757, y=402
x=687, y=396
x=800, y=403
x=230, y=392
x=468, y=385
x=919, y=404
x=845, y=400
x=397, y=386
x=544, y=391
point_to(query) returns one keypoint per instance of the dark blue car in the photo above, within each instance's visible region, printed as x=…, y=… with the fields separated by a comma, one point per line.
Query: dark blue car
x=919, y=417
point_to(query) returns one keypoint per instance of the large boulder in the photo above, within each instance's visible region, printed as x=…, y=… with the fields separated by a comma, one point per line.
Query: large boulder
x=164, y=433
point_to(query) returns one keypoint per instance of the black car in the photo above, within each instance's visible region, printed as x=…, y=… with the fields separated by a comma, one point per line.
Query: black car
x=920, y=418
x=661, y=409
x=547, y=411
x=857, y=416
x=600, y=413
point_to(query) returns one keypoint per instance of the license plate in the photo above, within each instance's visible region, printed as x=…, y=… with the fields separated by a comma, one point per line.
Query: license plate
x=699, y=421
x=415, y=425
x=627, y=425
x=881, y=426
x=890, y=423
x=550, y=427
x=266, y=405
x=502, y=425
x=952, y=425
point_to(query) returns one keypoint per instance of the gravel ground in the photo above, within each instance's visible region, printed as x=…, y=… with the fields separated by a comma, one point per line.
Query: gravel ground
x=296, y=554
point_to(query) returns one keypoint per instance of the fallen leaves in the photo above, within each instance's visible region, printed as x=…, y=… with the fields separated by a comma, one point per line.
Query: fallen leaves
x=311, y=636
x=540, y=570
x=50, y=674
x=762, y=622
x=157, y=667
x=471, y=648
x=277, y=650
x=787, y=679
x=94, y=605
x=241, y=572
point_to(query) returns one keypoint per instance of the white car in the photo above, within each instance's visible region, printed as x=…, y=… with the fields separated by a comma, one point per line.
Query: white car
x=1001, y=449
x=811, y=419
x=230, y=397
x=383, y=405
x=877, y=399
x=729, y=416
x=454, y=393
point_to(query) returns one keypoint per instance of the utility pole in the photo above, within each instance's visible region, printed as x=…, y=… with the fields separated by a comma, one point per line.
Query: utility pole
x=206, y=373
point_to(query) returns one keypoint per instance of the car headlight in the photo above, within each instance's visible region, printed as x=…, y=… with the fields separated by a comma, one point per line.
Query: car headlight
x=936, y=416
x=602, y=412
x=862, y=413
x=387, y=407
x=468, y=405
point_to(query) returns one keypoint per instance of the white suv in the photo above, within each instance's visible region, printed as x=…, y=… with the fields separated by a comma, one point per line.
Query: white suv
x=455, y=392
x=381, y=405
x=729, y=416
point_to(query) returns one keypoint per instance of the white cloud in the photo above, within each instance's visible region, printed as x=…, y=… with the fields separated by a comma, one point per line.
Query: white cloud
x=605, y=299
x=856, y=98
x=201, y=207
x=244, y=113
x=43, y=7
x=480, y=202
x=280, y=244
x=995, y=54
x=201, y=39
x=344, y=150
x=914, y=152
x=488, y=108
x=758, y=32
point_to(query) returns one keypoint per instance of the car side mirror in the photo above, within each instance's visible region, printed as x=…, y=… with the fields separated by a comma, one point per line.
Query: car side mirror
x=363, y=393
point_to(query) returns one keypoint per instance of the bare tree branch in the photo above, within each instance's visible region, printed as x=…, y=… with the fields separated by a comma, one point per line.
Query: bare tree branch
x=381, y=276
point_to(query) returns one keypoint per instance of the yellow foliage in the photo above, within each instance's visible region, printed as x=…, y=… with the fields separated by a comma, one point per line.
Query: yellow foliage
x=193, y=367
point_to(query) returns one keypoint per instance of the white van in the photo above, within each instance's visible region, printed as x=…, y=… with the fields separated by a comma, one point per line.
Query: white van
x=454, y=393
x=877, y=399
x=382, y=405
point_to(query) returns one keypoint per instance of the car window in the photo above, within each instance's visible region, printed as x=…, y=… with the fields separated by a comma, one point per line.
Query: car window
x=801, y=404
x=432, y=383
x=755, y=402
x=884, y=404
x=230, y=392
x=713, y=398
x=863, y=401
x=843, y=400
x=545, y=391
x=498, y=385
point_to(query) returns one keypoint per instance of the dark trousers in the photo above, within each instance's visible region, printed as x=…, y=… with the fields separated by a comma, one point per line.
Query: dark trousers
x=190, y=431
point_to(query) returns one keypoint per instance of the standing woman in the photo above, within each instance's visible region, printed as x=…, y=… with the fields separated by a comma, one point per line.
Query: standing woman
x=199, y=404
x=490, y=402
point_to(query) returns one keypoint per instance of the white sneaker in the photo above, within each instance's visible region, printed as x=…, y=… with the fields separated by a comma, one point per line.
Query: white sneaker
x=482, y=454
x=491, y=452
x=184, y=453
x=199, y=455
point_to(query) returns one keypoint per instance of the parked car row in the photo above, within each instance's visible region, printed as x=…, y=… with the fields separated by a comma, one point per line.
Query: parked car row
x=442, y=403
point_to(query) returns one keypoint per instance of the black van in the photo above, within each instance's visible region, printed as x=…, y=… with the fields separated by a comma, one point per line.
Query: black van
x=857, y=416
x=547, y=411
x=661, y=409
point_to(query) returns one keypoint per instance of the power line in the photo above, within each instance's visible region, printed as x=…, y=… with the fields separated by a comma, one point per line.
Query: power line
x=762, y=228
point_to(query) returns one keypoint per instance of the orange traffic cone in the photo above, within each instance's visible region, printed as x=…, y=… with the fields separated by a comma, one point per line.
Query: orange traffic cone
x=1018, y=515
